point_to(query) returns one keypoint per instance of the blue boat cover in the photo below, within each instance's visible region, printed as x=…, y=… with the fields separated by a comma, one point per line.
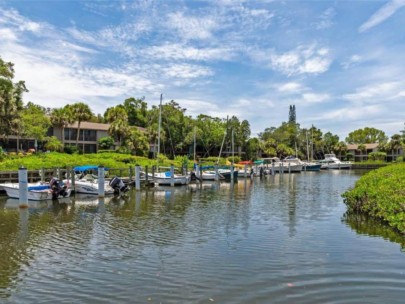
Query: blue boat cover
x=87, y=167
x=38, y=188
x=168, y=174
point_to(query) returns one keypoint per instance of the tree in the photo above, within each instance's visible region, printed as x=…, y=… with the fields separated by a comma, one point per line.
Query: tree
x=53, y=144
x=340, y=148
x=362, y=148
x=330, y=141
x=137, y=111
x=10, y=98
x=292, y=117
x=62, y=117
x=80, y=112
x=118, y=119
x=366, y=136
x=105, y=142
x=35, y=121
x=137, y=142
x=395, y=143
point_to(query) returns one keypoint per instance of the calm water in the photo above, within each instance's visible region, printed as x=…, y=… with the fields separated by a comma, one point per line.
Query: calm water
x=276, y=240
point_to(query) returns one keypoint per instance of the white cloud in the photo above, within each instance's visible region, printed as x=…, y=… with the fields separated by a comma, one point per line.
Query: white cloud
x=315, y=98
x=187, y=71
x=291, y=87
x=192, y=28
x=176, y=51
x=376, y=92
x=353, y=60
x=303, y=60
x=326, y=19
x=382, y=14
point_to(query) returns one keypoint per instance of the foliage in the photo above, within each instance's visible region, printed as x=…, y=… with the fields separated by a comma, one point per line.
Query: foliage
x=80, y=112
x=11, y=102
x=71, y=149
x=35, y=122
x=377, y=156
x=381, y=194
x=63, y=160
x=137, y=142
x=366, y=136
x=53, y=144
x=106, y=142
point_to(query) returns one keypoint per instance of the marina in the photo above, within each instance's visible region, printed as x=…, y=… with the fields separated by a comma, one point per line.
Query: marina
x=285, y=238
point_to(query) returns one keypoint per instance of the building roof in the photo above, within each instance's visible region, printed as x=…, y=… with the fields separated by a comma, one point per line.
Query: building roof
x=95, y=126
x=368, y=146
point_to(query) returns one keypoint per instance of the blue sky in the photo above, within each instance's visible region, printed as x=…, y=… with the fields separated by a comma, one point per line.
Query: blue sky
x=341, y=63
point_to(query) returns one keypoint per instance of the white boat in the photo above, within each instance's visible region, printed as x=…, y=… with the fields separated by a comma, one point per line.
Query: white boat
x=332, y=162
x=283, y=166
x=39, y=192
x=88, y=184
x=211, y=175
x=165, y=178
x=306, y=166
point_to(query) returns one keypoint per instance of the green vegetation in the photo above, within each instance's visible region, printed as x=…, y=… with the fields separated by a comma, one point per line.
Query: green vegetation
x=133, y=130
x=380, y=194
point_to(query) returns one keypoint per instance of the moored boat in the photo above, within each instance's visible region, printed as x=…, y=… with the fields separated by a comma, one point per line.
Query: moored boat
x=332, y=162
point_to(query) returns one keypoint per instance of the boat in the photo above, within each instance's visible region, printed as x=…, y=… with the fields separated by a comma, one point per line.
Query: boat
x=165, y=178
x=88, y=183
x=285, y=166
x=53, y=190
x=306, y=166
x=332, y=162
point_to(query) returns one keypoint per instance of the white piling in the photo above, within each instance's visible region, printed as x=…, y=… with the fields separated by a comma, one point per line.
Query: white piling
x=245, y=170
x=101, y=181
x=232, y=171
x=137, y=177
x=272, y=169
x=23, y=187
x=171, y=175
x=289, y=168
x=216, y=172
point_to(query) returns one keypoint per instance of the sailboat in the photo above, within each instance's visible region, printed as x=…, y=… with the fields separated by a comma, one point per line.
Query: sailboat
x=165, y=177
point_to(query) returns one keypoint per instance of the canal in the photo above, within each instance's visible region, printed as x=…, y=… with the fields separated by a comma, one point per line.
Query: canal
x=281, y=239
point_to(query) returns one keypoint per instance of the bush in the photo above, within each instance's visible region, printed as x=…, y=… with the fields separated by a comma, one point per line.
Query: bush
x=377, y=156
x=71, y=149
x=380, y=194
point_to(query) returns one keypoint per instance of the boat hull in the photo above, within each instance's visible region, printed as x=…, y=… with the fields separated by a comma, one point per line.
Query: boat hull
x=13, y=191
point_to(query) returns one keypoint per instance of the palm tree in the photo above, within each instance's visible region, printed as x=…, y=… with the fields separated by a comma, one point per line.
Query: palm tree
x=340, y=147
x=395, y=143
x=118, y=118
x=61, y=117
x=80, y=112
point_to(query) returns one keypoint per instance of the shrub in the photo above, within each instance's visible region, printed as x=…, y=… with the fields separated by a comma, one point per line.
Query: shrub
x=381, y=194
x=71, y=149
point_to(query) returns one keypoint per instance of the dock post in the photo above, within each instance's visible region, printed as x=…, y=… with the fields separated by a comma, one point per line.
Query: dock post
x=101, y=181
x=172, y=175
x=58, y=173
x=282, y=168
x=216, y=172
x=23, y=187
x=147, y=175
x=245, y=171
x=42, y=172
x=73, y=176
x=289, y=168
x=232, y=169
x=272, y=169
x=137, y=177
x=130, y=175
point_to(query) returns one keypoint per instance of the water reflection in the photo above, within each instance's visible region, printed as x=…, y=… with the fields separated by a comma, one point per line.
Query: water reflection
x=366, y=225
x=278, y=237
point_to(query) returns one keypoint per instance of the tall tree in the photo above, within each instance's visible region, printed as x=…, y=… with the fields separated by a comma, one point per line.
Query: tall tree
x=137, y=111
x=292, y=117
x=35, y=121
x=366, y=136
x=62, y=117
x=80, y=112
x=118, y=119
x=11, y=102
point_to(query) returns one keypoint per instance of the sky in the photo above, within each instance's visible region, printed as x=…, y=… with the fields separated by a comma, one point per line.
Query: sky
x=341, y=63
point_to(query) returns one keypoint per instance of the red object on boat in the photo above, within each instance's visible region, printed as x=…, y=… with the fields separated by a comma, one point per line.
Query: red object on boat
x=245, y=162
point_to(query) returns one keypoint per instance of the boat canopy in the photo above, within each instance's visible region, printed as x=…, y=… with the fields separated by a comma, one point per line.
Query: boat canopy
x=87, y=168
x=258, y=162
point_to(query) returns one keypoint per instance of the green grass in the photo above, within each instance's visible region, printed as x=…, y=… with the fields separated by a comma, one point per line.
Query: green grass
x=380, y=194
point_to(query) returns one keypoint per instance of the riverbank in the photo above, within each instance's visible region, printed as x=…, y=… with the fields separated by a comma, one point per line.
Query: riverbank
x=380, y=194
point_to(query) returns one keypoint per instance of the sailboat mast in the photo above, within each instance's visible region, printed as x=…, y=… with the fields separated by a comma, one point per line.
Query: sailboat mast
x=160, y=122
x=223, y=139
x=233, y=149
x=306, y=133
x=195, y=149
